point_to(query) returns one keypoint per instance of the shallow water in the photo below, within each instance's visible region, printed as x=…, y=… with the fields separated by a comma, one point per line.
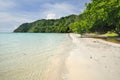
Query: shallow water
x=25, y=56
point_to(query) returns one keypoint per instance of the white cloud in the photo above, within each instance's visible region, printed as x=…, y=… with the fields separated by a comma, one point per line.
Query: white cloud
x=13, y=19
x=12, y=13
x=10, y=21
x=6, y=18
x=51, y=16
x=60, y=6
x=7, y=4
x=59, y=9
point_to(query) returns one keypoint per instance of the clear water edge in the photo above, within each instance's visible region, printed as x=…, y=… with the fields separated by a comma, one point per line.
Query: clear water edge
x=27, y=56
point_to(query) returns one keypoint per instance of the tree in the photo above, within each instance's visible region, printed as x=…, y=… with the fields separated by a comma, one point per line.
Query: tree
x=80, y=27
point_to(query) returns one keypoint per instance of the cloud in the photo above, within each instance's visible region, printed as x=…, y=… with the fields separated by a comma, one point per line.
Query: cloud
x=9, y=22
x=11, y=18
x=6, y=5
x=59, y=9
x=15, y=12
x=51, y=16
x=60, y=6
x=6, y=18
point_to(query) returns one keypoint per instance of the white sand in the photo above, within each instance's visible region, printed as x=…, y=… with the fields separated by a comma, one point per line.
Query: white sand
x=56, y=70
x=85, y=59
x=93, y=59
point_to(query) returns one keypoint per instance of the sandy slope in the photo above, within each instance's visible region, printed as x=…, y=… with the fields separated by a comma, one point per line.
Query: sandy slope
x=56, y=70
x=93, y=59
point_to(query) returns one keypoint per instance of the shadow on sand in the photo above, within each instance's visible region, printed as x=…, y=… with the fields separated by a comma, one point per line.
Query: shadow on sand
x=115, y=39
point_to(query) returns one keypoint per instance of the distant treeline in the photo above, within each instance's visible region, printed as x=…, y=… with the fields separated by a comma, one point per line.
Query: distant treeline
x=99, y=16
x=61, y=25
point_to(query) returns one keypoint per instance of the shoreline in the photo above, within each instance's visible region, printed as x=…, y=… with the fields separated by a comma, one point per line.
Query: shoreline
x=67, y=57
x=84, y=59
x=93, y=59
x=57, y=67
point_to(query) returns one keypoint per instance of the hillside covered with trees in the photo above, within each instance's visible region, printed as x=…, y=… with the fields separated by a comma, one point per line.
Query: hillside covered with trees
x=99, y=16
x=61, y=25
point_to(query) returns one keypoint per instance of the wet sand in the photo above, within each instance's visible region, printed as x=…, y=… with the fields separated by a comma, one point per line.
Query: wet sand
x=84, y=59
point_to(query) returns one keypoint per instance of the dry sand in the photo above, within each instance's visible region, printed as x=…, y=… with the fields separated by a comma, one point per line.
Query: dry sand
x=56, y=70
x=85, y=59
x=93, y=59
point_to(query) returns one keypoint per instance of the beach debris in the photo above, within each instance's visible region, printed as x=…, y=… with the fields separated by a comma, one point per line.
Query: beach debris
x=90, y=57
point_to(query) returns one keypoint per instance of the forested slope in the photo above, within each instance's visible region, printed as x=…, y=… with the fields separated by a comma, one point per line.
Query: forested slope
x=61, y=25
x=99, y=16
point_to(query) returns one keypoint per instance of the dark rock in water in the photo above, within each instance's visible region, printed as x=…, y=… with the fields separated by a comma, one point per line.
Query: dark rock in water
x=90, y=57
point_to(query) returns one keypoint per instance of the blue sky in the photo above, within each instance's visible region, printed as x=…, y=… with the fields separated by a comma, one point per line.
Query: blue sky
x=15, y=12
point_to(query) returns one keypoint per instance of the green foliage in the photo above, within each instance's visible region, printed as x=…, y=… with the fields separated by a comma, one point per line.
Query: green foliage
x=103, y=15
x=61, y=25
x=99, y=16
x=110, y=34
x=79, y=27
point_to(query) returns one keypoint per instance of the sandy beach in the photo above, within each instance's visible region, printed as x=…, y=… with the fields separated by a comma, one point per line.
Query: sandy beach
x=93, y=59
x=85, y=59
x=58, y=57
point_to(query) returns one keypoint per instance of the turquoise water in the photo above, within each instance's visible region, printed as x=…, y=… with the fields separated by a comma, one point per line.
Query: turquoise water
x=25, y=56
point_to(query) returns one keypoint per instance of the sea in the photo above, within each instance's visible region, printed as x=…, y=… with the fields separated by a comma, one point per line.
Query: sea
x=26, y=56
